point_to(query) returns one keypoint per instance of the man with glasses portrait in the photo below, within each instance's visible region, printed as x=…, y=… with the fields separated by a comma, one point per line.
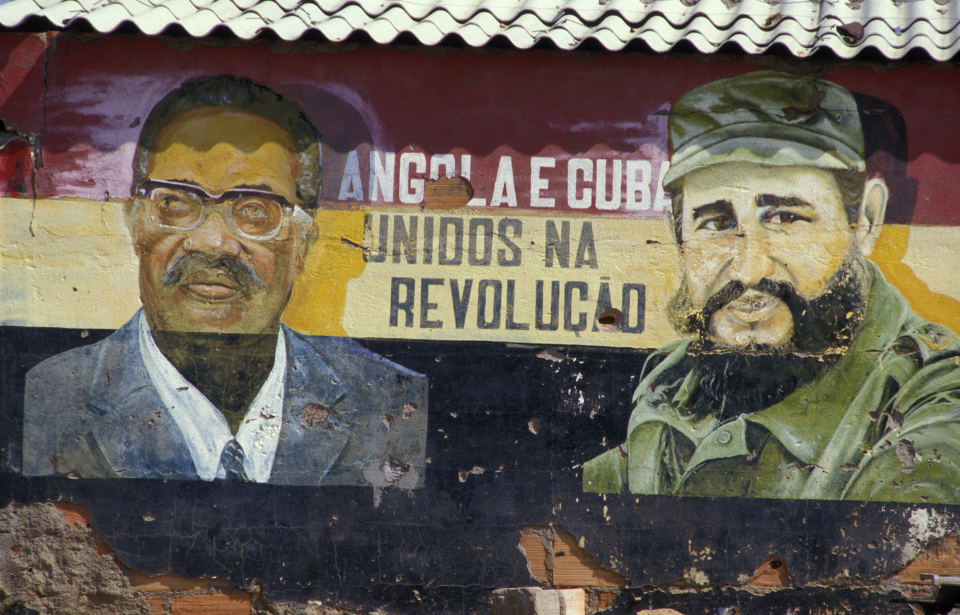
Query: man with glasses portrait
x=205, y=382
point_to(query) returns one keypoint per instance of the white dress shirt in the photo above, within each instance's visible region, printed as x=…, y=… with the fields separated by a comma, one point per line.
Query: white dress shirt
x=204, y=428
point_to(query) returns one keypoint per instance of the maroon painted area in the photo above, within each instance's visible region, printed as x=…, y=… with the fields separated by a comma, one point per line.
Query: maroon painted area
x=21, y=109
x=485, y=104
x=21, y=81
x=927, y=97
x=16, y=169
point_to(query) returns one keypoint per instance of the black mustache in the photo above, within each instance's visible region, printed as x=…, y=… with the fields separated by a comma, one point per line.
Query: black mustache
x=734, y=290
x=822, y=323
x=236, y=270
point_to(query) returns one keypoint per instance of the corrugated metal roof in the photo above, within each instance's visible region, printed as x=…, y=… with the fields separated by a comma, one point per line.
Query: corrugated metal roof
x=847, y=27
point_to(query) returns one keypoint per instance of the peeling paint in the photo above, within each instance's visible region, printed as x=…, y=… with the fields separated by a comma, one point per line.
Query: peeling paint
x=926, y=525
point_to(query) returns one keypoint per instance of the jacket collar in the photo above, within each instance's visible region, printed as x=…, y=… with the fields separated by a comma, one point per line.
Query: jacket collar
x=120, y=371
x=309, y=448
x=805, y=421
x=136, y=436
x=124, y=399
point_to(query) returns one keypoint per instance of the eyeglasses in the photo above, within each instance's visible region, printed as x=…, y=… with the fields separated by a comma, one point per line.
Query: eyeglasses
x=258, y=215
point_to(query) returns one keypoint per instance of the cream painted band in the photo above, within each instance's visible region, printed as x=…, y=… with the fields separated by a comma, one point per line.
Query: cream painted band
x=69, y=263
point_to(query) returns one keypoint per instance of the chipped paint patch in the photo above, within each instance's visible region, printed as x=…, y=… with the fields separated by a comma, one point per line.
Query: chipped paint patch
x=926, y=525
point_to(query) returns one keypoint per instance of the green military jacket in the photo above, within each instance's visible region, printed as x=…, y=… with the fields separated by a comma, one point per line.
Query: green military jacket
x=882, y=424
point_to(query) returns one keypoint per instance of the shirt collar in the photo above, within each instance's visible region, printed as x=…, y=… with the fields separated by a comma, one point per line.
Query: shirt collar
x=204, y=428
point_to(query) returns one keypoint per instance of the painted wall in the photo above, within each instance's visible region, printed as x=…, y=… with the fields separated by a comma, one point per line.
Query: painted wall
x=487, y=318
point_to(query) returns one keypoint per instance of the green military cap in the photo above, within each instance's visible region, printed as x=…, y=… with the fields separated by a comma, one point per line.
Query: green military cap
x=765, y=117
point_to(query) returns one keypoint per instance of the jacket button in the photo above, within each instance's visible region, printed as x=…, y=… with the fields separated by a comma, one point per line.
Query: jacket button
x=724, y=437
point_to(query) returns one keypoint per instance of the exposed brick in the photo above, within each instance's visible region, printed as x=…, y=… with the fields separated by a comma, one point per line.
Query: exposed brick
x=771, y=573
x=941, y=557
x=604, y=599
x=211, y=604
x=536, y=553
x=556, y=560
x=74, y=514
x=165, y=583
x=537, y=601
x=156, y=605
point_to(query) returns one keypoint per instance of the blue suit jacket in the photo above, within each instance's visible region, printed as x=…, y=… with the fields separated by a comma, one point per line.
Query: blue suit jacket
x=93, y=412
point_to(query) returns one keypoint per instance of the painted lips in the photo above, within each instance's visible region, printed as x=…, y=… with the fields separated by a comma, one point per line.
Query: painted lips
x=753, y=306
x=210, y=286
x=211, y=279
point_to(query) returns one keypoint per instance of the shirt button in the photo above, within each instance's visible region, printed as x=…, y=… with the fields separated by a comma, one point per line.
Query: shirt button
x=724, y=437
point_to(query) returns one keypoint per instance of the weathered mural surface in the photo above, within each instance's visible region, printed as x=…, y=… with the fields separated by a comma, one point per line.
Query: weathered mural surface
x=204, y=382
x=808, y=375
x=429, y=299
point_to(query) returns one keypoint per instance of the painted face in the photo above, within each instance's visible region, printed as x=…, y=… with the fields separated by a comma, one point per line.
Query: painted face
x=746, y=223
x=208, y=261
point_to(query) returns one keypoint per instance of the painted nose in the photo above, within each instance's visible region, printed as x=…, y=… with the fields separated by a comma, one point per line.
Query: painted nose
x=752, y=261
x=213, y=236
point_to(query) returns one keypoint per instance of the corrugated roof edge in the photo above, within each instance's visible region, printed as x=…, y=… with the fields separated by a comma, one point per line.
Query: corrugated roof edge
x=799, y=35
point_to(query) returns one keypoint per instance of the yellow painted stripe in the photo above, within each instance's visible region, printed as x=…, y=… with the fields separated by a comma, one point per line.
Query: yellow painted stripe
x=69, y=263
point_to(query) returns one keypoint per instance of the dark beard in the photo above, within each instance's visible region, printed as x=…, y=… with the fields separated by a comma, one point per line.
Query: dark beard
x=735, y=381
x=732, y=383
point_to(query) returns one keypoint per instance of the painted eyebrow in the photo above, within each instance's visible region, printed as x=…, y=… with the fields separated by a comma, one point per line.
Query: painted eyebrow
x=788, y=202
x=182, y=182
x=261, y=187
x=717, y=207
x=193, y=184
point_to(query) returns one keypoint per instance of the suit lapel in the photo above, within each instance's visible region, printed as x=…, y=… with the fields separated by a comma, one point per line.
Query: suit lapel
x=135, y=434
x=138, y=438
x=312, y=436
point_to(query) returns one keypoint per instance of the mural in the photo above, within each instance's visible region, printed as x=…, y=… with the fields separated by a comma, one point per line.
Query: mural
x=356, y=323
x=805, y=373
x=204, y=382
x=808, y=375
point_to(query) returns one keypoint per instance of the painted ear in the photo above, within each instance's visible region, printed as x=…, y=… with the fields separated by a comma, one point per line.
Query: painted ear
x=128, y=206
x=130, y=217
x=309, y=235
x=870, y=218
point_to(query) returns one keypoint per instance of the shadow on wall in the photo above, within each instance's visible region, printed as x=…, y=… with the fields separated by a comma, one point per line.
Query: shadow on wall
x=887, y=153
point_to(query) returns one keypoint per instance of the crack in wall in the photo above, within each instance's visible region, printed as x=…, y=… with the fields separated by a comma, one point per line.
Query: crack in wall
x=35, y=138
